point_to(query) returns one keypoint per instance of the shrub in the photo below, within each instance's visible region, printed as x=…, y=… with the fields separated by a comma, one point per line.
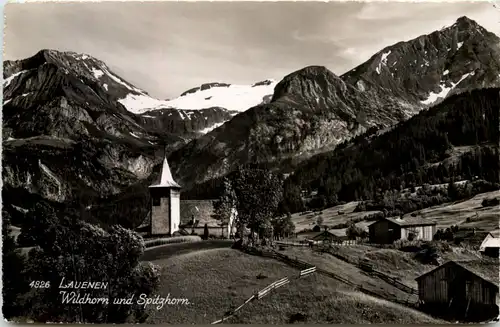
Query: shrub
x=76, y=250
x=14, y=284
x=490, y=202
x=172, y=240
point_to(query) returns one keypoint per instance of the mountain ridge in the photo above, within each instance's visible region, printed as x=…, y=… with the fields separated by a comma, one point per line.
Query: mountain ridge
x=69, y=106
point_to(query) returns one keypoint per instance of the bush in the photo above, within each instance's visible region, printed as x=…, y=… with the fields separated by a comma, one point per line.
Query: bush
x=14, y=283
x=172, y=240
x=75, y=250
x=490, y=202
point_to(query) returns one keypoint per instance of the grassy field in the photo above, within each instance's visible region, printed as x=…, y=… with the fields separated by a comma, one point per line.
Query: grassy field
x=175, y=249
x=349, y=271
x=330, y=216
x=449, y=214
x=218, y=280
x=397, y=263
x=320, y=304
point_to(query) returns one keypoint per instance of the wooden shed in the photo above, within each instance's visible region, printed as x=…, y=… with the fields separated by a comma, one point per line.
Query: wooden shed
x=461, y=290
x=388, y=230
x=327, y=236
x=491, y=244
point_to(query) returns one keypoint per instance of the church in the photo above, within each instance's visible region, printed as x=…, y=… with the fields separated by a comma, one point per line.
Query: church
x=169, y=214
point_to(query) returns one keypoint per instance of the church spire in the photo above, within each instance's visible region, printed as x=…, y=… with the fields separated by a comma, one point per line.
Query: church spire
x=166, y=179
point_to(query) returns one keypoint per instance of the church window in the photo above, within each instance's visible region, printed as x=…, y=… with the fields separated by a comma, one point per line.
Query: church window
x=156, y=201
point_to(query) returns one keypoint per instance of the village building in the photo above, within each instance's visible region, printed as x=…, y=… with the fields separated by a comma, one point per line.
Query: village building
x=165, y=214
x=461, y=290
x=169, y=214
x=332, y=236
x=491, y=244
x=388, y=230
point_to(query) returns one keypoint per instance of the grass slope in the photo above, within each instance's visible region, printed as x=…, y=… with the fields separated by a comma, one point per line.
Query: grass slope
x=217, y=280
x=350, y=272
x=330, y=216
x=400, y=264
x=457, y=213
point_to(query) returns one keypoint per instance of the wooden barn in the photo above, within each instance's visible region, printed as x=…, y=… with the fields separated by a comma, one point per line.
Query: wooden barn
x=326, y=237
x=461, y=290
x=388, y=230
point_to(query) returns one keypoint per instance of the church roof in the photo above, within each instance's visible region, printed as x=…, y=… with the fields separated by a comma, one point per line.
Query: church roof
x=166, y=179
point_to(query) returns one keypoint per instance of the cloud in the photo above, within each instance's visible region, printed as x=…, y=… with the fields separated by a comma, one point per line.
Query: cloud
x=169, y=47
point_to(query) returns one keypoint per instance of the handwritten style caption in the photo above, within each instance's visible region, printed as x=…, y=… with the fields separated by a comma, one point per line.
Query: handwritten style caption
x=71, y=294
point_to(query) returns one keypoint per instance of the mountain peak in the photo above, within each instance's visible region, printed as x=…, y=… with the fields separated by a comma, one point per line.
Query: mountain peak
x=464, y=21
x=304, y=80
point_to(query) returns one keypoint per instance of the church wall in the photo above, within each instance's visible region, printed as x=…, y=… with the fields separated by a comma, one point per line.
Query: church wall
x=160, y=216
x=175, y=211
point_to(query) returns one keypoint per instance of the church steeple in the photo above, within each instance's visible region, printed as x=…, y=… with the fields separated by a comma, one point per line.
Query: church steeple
x=165, y=203
x=166, y=179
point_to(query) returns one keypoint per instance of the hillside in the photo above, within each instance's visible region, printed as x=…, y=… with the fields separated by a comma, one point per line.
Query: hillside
x=431, y=67
x=401, y=156
x=313, y=110
x=71, y=140
x=215, y=287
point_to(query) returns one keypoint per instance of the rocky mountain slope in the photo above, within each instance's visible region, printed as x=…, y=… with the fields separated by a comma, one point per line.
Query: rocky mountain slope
x=312, y=110
x=431, y=67
x=76, y=134
x=65, y=132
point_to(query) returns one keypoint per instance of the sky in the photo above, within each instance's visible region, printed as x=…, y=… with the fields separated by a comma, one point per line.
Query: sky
x=166, y=48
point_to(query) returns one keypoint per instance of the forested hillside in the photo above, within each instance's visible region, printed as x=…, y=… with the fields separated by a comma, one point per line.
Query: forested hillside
x=411, y=154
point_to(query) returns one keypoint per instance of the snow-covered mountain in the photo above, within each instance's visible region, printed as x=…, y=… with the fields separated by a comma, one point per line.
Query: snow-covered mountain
x=231, y=97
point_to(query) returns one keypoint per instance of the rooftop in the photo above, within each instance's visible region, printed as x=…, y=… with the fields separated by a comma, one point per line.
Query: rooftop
x=411, y=221
x=166, y=179
x=488, y=270
x=495, y=233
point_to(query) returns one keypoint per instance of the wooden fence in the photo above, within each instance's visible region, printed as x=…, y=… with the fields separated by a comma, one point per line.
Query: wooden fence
x=268, y=289
x=295, y=262
x=367, y=266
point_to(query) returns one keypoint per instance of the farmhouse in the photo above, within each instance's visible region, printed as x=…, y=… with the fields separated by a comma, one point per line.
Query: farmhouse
x=327, y=236
x=388, y=230
x=463, y=290
x=491, y=244
x=170, y=214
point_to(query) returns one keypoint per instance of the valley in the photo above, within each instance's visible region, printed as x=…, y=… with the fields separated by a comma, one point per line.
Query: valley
x=373, y=179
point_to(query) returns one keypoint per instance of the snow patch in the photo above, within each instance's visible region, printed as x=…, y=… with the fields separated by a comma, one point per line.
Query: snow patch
x=459, y=45
x=383, y=61
x=134, y=135
x=433, y=97
x=446, y=72
x=138, y=103
x=20, y=209
x=9, y=79
x=105, y=86
x=49, y=173
x=120, y=81
x=211, y=128
x=97, y=73
x=233, y=97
